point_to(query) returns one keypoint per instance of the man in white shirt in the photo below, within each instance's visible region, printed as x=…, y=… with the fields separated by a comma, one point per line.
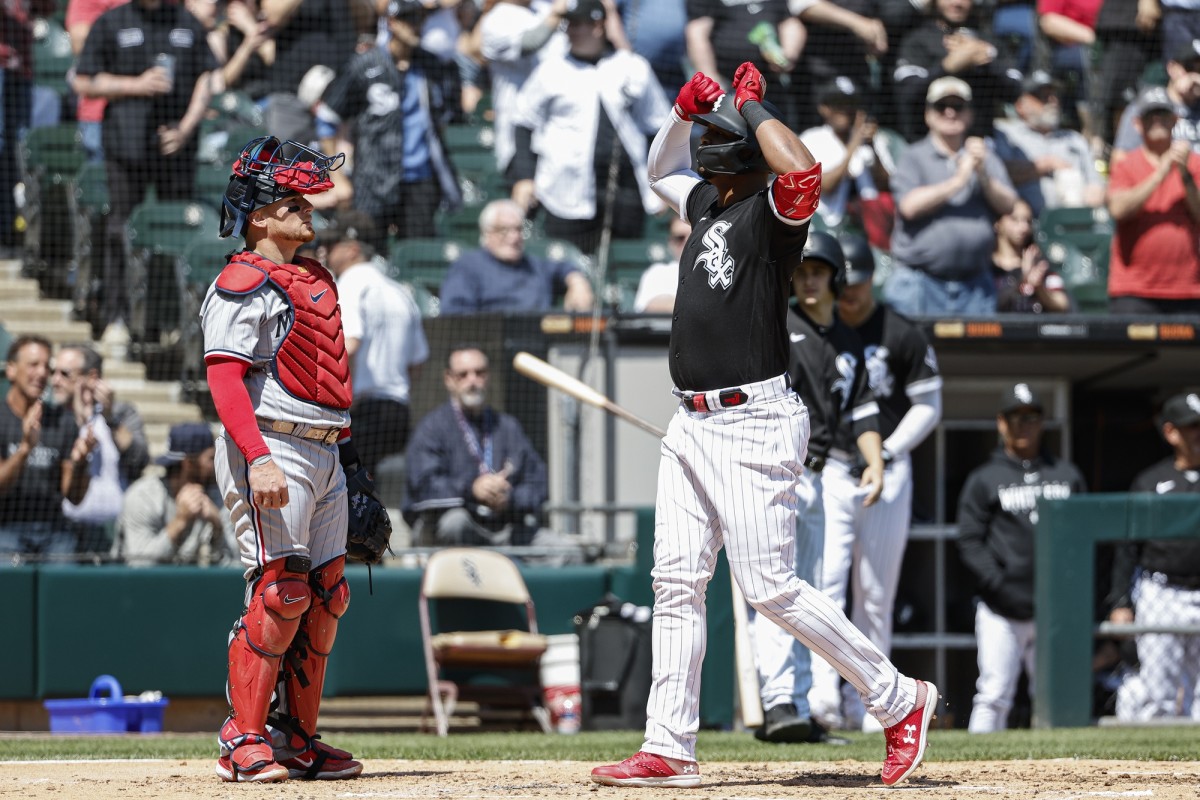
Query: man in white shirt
x=656, y=289
x=845, y=147
x=384, y=338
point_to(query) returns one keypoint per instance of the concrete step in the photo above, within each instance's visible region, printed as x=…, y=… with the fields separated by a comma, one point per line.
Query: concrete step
x=10, y=268
x=121, y=370
x=142, y=393
x=169, y=413
x=58, y=332
x=20, y=289
x=14, y=312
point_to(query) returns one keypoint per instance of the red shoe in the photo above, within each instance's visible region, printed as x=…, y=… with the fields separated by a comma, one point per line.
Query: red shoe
x=251, y=763
x=320, y=762
x=647, y=769
x=906, y=739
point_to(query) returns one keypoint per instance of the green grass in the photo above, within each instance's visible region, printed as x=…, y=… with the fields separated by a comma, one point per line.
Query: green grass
x=1141, y=744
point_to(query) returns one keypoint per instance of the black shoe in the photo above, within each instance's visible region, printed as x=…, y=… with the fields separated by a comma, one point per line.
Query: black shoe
x=818, y=735
x=783, y=724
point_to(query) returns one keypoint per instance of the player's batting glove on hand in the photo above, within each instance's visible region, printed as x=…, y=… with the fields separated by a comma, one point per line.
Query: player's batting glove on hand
x=369, y=530
x=748, y=84
x=697, y=96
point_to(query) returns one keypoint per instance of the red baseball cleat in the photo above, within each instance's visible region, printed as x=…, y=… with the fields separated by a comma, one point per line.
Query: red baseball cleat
x=251, y=763
x=320, y=762
x=906, y=739
x=647, y=769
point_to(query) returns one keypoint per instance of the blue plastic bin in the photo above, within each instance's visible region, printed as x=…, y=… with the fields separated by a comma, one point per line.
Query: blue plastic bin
x=106, y=710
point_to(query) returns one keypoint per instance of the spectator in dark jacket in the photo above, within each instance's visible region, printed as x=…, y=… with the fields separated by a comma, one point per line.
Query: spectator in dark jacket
x=997, y=511
x=473, y=476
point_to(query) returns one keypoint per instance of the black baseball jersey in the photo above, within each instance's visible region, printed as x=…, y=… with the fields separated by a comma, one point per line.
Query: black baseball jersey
x=35, y=495
x=997, y=511
x=900, y=362
x=826, y=369
x=371, y=91
x=1169, y=556
x=729, y=327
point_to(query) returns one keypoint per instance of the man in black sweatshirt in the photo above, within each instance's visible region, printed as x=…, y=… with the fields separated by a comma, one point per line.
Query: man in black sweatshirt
x=997, y=511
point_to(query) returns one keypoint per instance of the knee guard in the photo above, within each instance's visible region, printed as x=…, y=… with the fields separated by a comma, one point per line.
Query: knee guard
x=277, y=601
x=303, y=675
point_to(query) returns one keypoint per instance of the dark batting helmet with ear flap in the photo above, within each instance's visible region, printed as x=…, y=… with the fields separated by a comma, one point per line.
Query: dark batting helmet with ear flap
x=735, y=157
x=860, y=260
x=822, y=246
x=267, y=171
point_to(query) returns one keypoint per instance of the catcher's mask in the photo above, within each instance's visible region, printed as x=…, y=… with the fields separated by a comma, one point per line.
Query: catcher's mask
x=269, y=170
x=738, y=156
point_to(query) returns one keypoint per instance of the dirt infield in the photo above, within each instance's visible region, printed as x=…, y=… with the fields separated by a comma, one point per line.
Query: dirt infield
x=194, y=780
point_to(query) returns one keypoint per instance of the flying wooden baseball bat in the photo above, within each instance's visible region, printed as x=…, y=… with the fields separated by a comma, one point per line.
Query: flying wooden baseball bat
x=535, y=368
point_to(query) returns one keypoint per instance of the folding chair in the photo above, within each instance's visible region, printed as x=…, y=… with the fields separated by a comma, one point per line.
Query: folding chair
x=479, y=633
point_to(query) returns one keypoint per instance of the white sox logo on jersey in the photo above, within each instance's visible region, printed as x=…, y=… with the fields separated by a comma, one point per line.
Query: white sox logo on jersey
x=843, y=387
x=880, y=378
x=716, y=259
x=382, y=99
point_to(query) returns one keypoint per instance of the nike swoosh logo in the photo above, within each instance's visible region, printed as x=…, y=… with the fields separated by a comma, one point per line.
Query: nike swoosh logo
x=1162, y=487
x=316, y=298
x=797, y=337
x=287, y=601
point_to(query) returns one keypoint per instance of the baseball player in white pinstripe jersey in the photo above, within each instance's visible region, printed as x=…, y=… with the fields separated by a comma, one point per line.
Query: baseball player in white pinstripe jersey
x=865, y=543
x=734, y=450
x=280, y=380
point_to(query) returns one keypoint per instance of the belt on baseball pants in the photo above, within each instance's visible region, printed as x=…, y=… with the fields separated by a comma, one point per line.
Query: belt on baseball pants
x=300, y=429
x=734, y=395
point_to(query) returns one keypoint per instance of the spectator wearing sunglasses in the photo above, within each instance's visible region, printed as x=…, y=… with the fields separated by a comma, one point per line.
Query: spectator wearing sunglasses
x=949, y=189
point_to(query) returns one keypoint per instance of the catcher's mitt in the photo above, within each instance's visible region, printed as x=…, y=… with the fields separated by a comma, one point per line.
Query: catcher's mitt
x=369, y=529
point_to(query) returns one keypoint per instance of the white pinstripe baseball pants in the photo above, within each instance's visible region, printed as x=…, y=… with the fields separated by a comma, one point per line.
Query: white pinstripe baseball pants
x=728, y=479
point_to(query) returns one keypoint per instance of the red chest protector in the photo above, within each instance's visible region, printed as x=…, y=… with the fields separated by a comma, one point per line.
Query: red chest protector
x=311, y=363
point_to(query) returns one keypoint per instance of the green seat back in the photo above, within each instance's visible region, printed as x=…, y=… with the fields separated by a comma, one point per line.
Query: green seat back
x=204, y=257
x=53, y=153
x=167, y=228
x=52, y=55
x=423, y=262
x=91, y=189
x=628, y=258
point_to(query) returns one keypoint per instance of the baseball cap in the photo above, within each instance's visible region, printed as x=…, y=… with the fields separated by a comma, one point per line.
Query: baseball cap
x=186, y=439
x=348, y=224
x=947, y=86
x=1037, y=80
x=1018, y=396
x=1155, y=98
x=1182, y=410
x=585, y=10
x=1187, y=52
x=839, y=91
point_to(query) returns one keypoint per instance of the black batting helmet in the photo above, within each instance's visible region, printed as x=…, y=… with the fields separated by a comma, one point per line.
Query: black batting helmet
x=860, y=260
x=822, y=246
x=267, y=171
x=730, y=158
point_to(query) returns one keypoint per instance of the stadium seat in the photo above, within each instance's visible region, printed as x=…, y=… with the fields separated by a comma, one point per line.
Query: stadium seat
x=156, y=237
x=50, y=157
x=237, y=107
x=1078, y=243
x=890, y=147
x=52, y=55
x=478, y=166
x=423, y=262
x=88, y=208
x=198, y=265
x=461, y=225
x=211, y=181
x=480, y=635
x=464, y=138
x=627, y=260
x=557, y=250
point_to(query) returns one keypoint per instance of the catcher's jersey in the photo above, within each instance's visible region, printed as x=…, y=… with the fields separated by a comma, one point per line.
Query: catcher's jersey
x=826, y=369
x=250, y=328
x=729, y=326
x=900, y=362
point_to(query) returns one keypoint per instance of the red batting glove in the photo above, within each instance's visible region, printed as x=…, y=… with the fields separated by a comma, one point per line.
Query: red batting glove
x=748, y=84
x=697, y=96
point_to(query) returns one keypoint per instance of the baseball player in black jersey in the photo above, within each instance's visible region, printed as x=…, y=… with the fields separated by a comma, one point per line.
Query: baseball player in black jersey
x=826, y=371
x=865, y=542
x=1161, y=579
x=997, y=511
x=734, y=451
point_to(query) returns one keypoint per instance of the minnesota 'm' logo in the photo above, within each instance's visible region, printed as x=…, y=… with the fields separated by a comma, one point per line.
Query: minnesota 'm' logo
x=716, y=259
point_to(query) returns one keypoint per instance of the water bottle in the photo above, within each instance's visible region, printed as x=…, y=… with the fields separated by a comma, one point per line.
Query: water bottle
x=568, y=715
x=167, y=62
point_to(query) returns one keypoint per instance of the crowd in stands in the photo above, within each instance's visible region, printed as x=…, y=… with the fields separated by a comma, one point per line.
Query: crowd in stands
x=1048, y=97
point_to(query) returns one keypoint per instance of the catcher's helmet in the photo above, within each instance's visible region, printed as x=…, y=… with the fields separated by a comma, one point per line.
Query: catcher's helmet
x=730, y=158
x=269, y=170
x=822, y=246
x=860, y=261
